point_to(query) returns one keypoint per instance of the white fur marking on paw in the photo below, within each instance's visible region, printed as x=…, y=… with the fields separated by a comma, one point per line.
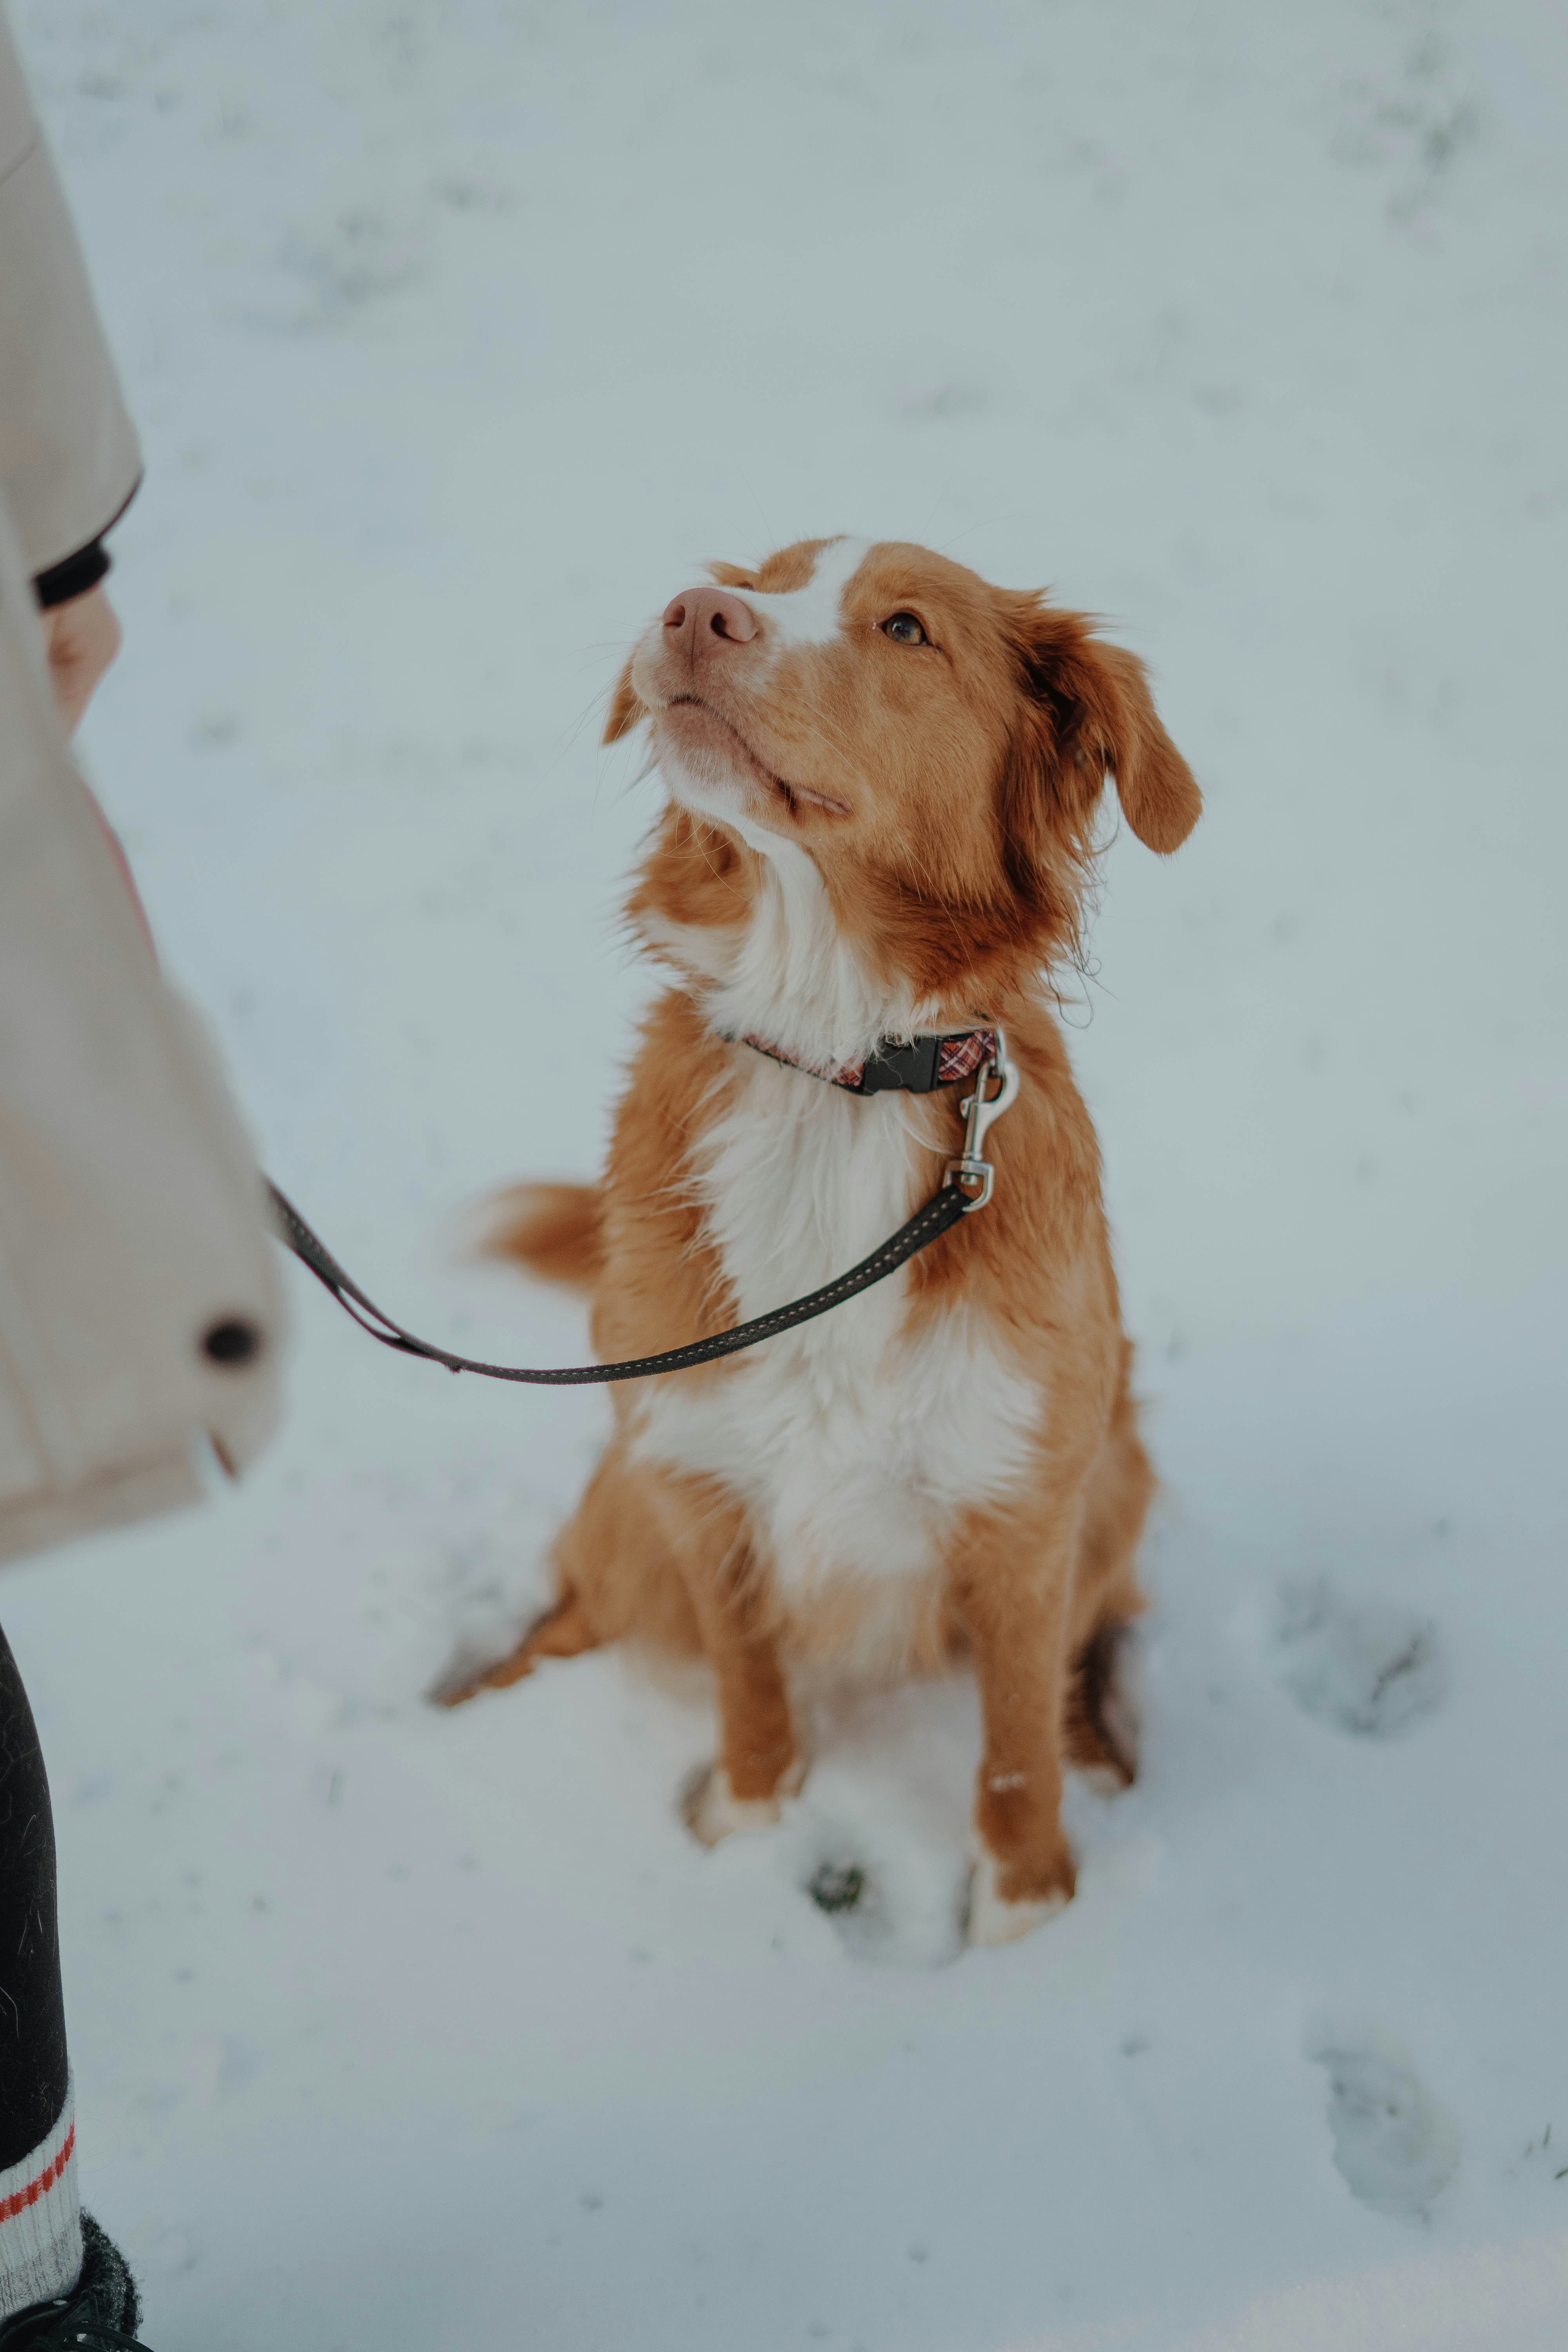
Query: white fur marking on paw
x=993, y=1920
x=714, y=1811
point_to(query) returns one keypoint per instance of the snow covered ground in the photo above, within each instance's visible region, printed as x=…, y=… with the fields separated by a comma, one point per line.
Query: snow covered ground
x=454, y=331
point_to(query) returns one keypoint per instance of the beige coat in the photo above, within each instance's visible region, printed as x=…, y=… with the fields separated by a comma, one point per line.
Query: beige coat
x=131, y=1227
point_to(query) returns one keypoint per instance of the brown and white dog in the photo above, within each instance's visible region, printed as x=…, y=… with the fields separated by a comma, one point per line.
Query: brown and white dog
x=884, y=778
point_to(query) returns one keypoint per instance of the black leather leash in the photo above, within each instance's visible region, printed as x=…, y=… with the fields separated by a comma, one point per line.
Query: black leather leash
x=940, y=1215
x=941, y=1212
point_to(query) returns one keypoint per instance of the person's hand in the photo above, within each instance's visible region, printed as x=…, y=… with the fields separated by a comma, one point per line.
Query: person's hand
x=82, y=638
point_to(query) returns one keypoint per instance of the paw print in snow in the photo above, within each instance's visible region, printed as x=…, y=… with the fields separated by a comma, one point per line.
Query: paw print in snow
x=1373, y=1668
x=899, y=1906
x=1395, y=2147
x=1411, y=124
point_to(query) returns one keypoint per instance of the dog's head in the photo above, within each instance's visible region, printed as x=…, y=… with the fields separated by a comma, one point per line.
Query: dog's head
x=934, y=747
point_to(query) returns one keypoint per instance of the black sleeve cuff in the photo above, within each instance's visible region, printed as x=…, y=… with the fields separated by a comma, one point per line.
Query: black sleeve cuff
x=74, y=577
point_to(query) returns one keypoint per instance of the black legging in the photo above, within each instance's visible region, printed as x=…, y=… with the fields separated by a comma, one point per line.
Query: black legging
x=33, y=2076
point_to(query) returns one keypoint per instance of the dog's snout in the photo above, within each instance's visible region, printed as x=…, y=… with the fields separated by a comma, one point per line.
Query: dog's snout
x=709, y=618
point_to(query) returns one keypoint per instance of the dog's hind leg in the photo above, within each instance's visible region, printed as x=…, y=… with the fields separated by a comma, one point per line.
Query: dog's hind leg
x=1101, y=1731
x=563, y=1632
x=615, y=1579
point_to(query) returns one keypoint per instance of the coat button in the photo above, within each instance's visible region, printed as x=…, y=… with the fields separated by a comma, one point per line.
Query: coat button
x=232, y=1341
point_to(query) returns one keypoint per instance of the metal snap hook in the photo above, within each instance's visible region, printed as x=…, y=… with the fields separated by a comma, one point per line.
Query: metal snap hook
x=981, y=1111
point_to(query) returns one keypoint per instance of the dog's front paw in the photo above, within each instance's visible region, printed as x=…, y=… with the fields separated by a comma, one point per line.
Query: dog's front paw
x=1001, y=1917
x=712, y=1809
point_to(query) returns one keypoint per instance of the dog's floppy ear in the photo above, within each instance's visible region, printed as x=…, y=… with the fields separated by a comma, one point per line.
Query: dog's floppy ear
x=626, y=708
x=1102, y=721
x=1159, y=796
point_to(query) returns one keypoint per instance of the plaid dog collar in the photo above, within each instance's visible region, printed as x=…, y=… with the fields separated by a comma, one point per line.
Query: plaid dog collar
x=917, y=1066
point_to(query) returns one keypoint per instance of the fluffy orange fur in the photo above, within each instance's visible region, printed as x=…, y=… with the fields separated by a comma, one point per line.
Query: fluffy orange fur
x=944, y=783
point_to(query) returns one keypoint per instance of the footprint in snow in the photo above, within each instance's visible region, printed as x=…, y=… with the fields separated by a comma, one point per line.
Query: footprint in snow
x=1395, y=2147
x=1370, y=1667
x=901, y=1908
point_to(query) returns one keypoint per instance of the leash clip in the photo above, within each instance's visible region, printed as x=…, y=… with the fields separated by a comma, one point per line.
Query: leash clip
x=980, y=1109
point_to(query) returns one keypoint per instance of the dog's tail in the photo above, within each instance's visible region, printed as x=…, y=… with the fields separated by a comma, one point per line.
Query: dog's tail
x=554, y=1230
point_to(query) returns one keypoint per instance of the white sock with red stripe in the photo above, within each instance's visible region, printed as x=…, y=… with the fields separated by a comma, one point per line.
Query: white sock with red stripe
x=40, y=2221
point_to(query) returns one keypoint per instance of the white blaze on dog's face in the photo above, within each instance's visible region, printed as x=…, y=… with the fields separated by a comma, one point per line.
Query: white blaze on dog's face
x=936, y=746
x=720, y=672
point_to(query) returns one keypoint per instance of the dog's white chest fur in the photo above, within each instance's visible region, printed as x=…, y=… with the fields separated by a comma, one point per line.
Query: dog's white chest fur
x=853, y=1447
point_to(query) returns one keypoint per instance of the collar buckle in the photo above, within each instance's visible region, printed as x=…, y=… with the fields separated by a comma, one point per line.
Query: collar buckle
x=901, y=1069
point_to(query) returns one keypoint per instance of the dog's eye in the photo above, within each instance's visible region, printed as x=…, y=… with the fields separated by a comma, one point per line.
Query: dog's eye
x=905, y=630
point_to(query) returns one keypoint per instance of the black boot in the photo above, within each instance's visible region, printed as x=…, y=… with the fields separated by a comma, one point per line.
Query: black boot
x=98, y=2314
